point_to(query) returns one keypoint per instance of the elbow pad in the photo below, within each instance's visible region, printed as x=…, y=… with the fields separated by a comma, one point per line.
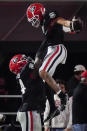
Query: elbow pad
x=76, y=25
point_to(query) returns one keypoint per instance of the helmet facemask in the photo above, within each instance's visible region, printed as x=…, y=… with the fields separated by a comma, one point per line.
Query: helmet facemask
x=35, y=21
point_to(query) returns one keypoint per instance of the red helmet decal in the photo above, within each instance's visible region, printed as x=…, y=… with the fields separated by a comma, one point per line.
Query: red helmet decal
x=15, y=59
x=32, y=9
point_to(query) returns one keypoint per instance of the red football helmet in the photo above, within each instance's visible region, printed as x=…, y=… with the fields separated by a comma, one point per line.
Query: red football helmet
x=17, y=63
x=35, y=13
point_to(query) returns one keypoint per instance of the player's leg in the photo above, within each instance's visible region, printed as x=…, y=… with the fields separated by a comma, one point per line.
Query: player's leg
x=30, y=121
x=21, y=117
x=55, y=56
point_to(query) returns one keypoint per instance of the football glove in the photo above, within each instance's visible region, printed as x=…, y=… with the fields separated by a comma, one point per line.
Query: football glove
x=76, y=25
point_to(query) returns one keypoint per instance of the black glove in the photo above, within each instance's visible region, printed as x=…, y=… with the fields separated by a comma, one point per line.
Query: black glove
x=76, y=25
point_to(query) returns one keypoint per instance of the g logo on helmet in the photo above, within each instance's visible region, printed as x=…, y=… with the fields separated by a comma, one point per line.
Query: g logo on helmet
x=32, y=9
x=15, y=60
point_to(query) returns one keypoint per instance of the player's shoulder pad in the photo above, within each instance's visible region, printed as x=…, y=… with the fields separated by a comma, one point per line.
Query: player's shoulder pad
x=53, y=14
x=31, y=66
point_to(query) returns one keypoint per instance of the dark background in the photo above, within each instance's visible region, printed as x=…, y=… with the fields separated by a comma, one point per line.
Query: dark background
x=14, y=25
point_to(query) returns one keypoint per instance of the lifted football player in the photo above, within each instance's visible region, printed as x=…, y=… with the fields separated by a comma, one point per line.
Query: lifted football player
x=52, y=51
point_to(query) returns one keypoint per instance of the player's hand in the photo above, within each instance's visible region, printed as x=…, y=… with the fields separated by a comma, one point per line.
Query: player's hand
x=76, y=25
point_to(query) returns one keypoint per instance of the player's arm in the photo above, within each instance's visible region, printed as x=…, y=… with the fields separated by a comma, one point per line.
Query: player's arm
x=63, y=21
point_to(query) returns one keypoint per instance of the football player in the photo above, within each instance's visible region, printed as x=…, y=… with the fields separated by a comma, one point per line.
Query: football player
x=33, y=93
x=52, y=51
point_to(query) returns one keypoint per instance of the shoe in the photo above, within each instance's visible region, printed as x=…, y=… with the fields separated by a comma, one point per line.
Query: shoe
x=52, y=115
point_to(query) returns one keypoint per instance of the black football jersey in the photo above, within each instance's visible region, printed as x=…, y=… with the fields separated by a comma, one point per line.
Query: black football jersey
x=32, y=88
x=53, y=35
